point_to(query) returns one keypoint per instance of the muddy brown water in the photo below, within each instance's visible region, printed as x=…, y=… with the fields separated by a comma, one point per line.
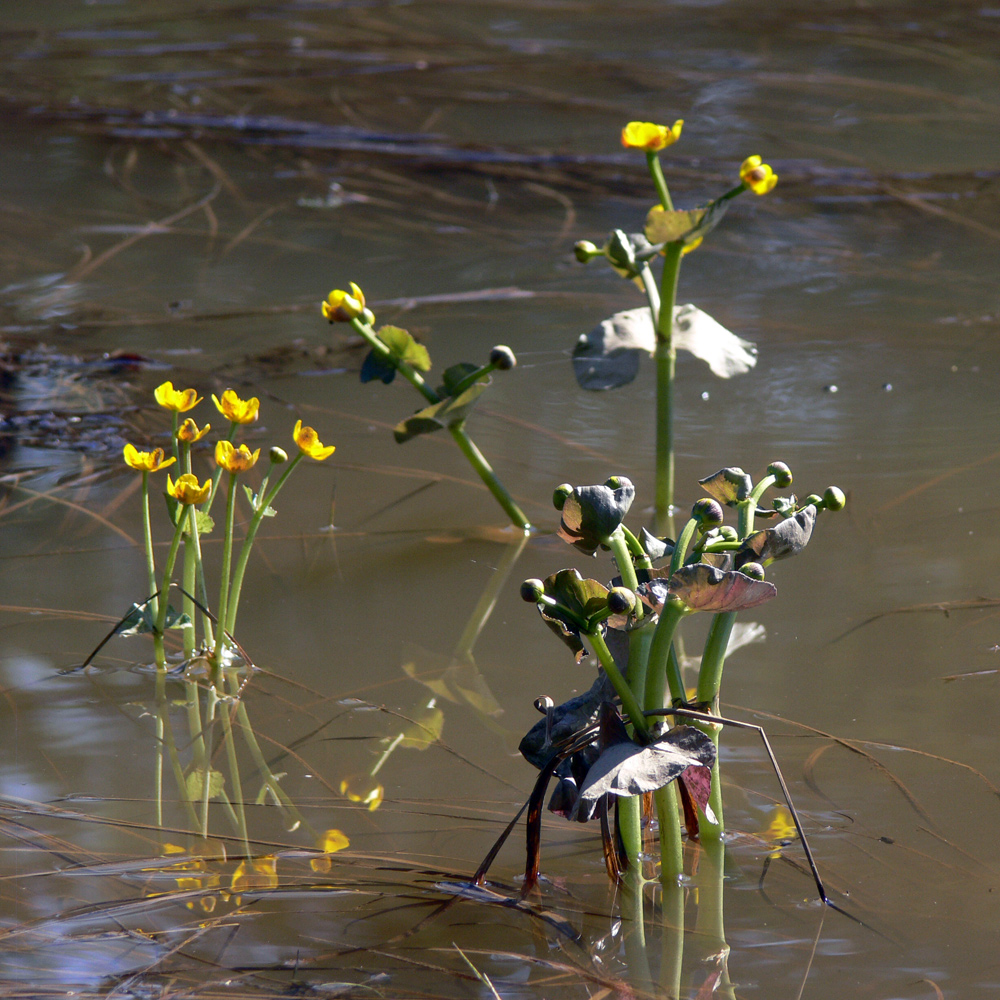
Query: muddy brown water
x=446, y=156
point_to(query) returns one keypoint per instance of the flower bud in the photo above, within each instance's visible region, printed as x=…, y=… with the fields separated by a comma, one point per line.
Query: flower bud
x=502, y=358
x=585, y=251
x=617, y=482
x=560, y=495
x=532, y=591
x=782, y=474
x=815, y=499
x=754, y=570
x=728, y=533
x=621, y=601
x=708, y=513
x=277, y=455
x=834, y=498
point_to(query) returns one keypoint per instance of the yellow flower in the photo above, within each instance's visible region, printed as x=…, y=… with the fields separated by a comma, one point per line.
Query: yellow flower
x=187, y=490
x=757, y=175
x=309, y=443
x=178, y=400
x=239, y=411
x=234, y=459
x=188, y=431
x=342, y=307
x=693, y=245
x=146, y=461
x=646, y=135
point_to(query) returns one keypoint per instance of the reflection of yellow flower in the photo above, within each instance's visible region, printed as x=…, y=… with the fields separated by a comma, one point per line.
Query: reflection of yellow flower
x=342, y=307
x=178, y=400
x=233, y=459
x=146, y=461
x=187, y=490
x=188, y=431
x=646, y=135
x=261, y=874
x=757, y=175
x=192, y=881
x=331, y=842
x=780, y=831
x=367, y=792
x=239, y=411
x=309, y=443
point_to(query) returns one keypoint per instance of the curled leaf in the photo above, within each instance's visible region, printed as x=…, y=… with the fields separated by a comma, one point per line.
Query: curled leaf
x=728, y=486
x=704, y=588
x=578, y=600
x=788, y=538
x=564, y=721
x=725, y=353
x=590, y=514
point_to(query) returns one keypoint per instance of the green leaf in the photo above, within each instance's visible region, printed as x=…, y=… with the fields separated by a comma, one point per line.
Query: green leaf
x=140, y=621
x=686, y=225
x=196, y=785
x=449, y=411
x=454, y=376
x=204, y=521
x=404, y=348
x=377, y=366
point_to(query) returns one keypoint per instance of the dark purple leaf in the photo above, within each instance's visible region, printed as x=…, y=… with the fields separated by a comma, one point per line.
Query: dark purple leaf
x=728, y=486
x=705, y=588
x=592, y=513
x=626, y=768
x=788, y=538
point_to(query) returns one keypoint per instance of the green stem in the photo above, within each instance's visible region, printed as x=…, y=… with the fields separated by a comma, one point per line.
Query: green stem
x=485, y=471
x=634, y=932
x=227, y=556
x=472, y=378
x=710, y=930
x=661, y=663
x=666, y=362
x=652, y=292
x=671, y=842
x=618, y=682
x=244, y=556
x=683, y=543
x=656, y=172
x=217, y=475
x=168, y=573
x=147, y=535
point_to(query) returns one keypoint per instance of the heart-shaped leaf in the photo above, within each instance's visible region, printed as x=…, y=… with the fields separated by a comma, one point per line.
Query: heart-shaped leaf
x=591, y=514
x=438, y=416
x=728, y=486
x=608, y=356
x=704, y=588
x=788, y=538
x=141, y=620
x=404, y=348
x=655, y=548
x=454, y=376
x=626, y=768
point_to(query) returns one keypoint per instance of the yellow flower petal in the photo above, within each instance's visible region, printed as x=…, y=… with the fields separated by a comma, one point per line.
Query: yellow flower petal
x=187, y=490
x=188, y=431
x=331, y=842
x=234, y=459
x=757, y=175
x=146, y=461
x=649, y=136
x=178, y=400
x=342, y=307
x=239, y=411
x=309, y=443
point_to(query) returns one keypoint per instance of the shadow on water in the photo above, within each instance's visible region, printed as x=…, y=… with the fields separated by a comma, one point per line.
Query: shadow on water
x=179, y=191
